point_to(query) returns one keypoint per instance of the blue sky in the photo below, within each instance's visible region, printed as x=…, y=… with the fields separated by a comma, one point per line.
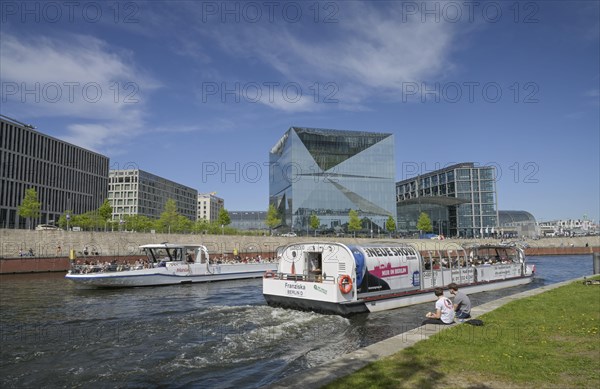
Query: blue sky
x=198, y=92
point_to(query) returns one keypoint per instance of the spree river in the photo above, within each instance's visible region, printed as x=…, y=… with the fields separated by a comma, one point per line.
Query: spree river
x=214, y=335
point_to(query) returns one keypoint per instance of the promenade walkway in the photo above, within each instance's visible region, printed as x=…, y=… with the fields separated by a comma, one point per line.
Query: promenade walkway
x=322, y=375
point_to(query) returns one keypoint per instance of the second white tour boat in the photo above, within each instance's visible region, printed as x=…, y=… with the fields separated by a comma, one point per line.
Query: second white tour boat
x=166, y=264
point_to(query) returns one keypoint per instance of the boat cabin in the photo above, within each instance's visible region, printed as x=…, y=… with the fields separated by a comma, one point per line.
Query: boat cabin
x=161, y=254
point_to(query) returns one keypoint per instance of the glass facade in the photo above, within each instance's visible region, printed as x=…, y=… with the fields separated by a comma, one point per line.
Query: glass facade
x=329, y=173
x=248, y=220
x=517, y=224
x=460, y=201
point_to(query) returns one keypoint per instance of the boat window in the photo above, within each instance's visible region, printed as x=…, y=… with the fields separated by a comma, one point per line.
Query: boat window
x=150, y=255
x=189, y=256
x=315, y=262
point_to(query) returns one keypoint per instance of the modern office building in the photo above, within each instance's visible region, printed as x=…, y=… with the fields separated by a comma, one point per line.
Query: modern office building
x=65, y=176
x=517, y=224
x=137, y=192
x=209, y=206
x=329, y=173
x=459, y=199
x=248, y=220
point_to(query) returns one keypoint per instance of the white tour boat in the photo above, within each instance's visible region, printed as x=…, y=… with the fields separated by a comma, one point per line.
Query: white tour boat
x=166, y=264
x=345, y=279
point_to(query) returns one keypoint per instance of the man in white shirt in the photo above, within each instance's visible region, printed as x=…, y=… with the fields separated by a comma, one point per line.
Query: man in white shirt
x=444, y=310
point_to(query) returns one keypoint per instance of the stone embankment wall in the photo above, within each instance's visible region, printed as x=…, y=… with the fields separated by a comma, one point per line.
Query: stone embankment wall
x=48, y=256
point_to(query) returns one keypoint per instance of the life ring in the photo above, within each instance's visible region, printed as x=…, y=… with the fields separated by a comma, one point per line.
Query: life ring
x=269, y=274
x=345, y=284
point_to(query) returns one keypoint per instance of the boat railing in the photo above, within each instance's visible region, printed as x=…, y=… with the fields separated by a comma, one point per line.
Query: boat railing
x=306, y=277
x=108, y=268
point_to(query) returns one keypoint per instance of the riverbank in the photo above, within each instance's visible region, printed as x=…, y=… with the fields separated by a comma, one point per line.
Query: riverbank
x=49, y=243
x=545, y=337
x=51, y=248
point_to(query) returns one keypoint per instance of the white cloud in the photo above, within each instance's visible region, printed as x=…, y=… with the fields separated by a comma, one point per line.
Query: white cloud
x=79, y=77
x=370, y=52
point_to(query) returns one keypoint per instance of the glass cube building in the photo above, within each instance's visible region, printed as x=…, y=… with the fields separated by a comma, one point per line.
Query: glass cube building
x=459, y=199
x=330, y=172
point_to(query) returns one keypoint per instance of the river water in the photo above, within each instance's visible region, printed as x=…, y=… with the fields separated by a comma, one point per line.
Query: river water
x=215, y=335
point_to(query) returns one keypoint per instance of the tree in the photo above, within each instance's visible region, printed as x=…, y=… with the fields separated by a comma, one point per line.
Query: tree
x=30, y=206
x=89, y=220
x=390, y=224
x=224, y=219
x=138, y=223
x=314, y=222
x=201, y=226
x=105, y=211
x=182, y=224
x=273, y=219
x=424, y=223
x=62, y=220
x=168, y=219
x=354, y=223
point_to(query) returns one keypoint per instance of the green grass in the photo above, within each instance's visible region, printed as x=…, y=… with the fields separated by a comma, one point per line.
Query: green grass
x=551, y=340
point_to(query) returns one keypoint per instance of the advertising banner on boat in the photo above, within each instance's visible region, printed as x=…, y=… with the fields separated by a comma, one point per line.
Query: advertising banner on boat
x=485, y=273
x=385, y=267
x=444, y=277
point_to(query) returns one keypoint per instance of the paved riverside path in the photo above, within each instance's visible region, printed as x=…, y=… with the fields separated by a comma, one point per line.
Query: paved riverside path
x=322, y=375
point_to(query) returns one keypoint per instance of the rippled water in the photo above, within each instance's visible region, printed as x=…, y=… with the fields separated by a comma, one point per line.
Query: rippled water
x=217, y=335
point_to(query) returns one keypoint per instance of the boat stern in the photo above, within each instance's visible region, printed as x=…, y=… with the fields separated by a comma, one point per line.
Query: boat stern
x=314, y=276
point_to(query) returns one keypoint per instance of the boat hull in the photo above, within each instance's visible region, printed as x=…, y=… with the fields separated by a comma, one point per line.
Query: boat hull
x=383, y=304
x=139, y=278
x=386, y=301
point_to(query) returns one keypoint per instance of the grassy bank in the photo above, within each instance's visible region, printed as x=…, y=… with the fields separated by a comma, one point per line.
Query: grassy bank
x=551, y=340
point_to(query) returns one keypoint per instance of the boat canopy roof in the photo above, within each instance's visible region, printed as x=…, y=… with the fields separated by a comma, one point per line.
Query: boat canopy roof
x=172, y=246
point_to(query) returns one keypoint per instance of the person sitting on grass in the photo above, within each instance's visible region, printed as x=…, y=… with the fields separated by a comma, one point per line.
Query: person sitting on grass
x=444, y=310
x=462, y=303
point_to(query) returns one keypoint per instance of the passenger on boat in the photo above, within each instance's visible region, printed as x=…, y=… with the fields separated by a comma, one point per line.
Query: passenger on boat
x=462, y=303
x=444, y=310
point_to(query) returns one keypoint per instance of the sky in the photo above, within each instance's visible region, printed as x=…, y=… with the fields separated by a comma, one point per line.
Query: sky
x=199, y=91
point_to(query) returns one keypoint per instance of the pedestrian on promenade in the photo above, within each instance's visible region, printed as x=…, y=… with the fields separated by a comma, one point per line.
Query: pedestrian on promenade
x=444, y=310
x=462, y=303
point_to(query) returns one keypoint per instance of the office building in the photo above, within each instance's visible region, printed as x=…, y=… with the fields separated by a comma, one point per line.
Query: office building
x=137, y=192
x=329, y=173
x=248, y=220
x=209, y=206
x=459, y=199
x=65, y=176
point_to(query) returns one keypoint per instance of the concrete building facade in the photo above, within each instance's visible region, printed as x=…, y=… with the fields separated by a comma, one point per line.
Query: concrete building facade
x=209, y=206
x=65, y=176
x=137, y=192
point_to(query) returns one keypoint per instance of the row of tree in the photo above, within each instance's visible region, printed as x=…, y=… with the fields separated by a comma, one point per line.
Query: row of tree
x=170, y=221
x=101, y=219
x=355, y=224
